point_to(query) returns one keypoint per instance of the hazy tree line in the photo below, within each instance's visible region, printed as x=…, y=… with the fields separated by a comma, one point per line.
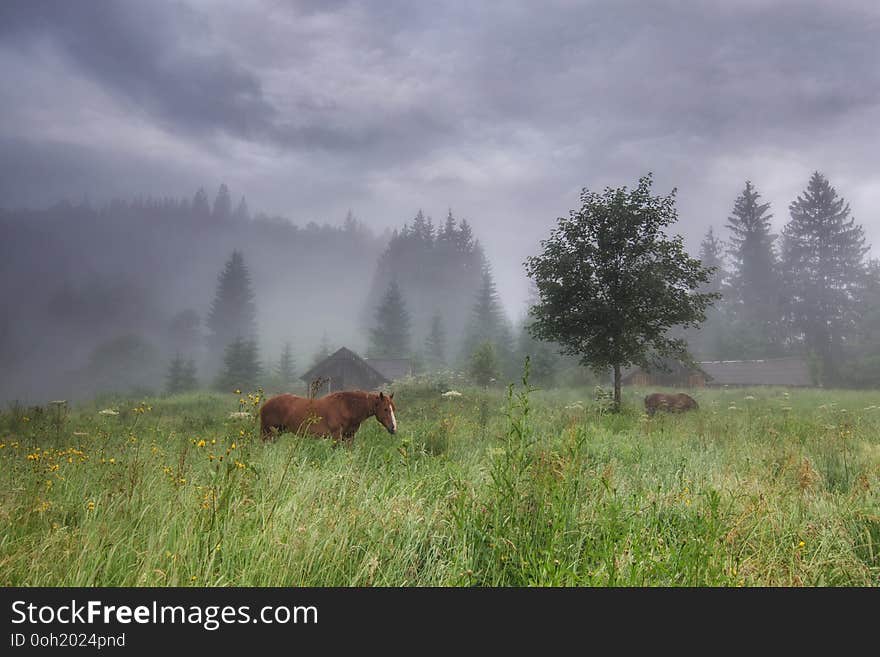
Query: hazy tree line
x=107, y=298
x=810, y=291
x=434, y=299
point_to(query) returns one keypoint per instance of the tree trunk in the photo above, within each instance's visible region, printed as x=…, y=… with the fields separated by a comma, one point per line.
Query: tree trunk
x=616, y=388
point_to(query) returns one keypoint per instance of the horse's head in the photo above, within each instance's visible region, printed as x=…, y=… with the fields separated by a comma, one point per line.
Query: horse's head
x=384, y=409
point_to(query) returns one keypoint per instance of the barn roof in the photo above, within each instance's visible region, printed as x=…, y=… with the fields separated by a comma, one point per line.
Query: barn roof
x=392, y=369
x=767, y=372
x=343, y=354
x=674, y=368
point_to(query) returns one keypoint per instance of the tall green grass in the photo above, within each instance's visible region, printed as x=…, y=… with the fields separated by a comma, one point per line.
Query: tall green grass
x=494, y=488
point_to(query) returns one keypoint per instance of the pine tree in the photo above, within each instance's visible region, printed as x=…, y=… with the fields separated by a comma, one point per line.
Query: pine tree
x=233, y=313
x=222, y=204
x=188, y=376
x=242, y=213
x=489, y=323
x=181, y=376
x=709, y=339
x=323, y=350
x=200, y=208
x=174, y=378
x=286, y=368
x=712, y=257
x=390, y=338
x=241, y=366
x=754, y=288
x=824, y=261
x=435, y=344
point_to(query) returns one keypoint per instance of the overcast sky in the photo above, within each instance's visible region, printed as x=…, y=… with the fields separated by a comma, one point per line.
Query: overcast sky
x=502, y=111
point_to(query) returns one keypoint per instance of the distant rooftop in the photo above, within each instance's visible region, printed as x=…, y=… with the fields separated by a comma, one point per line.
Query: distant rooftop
x=766, y=372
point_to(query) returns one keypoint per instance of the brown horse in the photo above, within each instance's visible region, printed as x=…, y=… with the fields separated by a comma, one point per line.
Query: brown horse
x=677, y=403
x=338, y=414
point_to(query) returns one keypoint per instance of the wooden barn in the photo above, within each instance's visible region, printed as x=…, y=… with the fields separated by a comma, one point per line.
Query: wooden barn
x=676, y=375
x=342, y=370
x=793, y=372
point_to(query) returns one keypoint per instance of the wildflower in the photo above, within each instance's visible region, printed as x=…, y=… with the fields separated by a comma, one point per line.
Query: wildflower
x=451, y=393
x=749, y=398
x=232, y=446
x=112, y=460
x=108, y=411
x=239, y=415
x=801, y=544
x=239, y=464
x=90, y=506
x=237, y=391
x=201, y=443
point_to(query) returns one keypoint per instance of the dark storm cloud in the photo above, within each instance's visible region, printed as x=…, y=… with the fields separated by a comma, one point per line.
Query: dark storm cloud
x=139, y=51
x=501, y=110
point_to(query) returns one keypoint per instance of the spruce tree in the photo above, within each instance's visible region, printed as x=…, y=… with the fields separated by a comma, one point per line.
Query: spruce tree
x=390, y=338
x=242, y=213
x=286, y=368
x=708, y=339
x=489, y=323
x=188, y=376
x=241, y=366
x=712, y=257
x=174, y=378
x=753, y=292
x=323, y=350
x=222, y=204
x=200, y=207
x=435, y=343
x=181, y=376
x=824, y=262
x=233, y=313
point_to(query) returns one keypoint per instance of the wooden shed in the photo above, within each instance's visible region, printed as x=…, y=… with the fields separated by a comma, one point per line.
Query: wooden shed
x=342, y=370
x=792, y=371
x=676, y=375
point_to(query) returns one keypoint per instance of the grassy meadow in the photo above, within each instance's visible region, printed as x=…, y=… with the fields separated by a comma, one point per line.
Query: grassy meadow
x=760, y=487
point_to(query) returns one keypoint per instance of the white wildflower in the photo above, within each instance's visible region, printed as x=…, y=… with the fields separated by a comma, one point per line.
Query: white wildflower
x=451, y=393
x=108, y=411
x=239, y=415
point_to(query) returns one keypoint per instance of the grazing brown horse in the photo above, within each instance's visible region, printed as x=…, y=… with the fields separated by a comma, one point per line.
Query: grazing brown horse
x=338, y=414
x=677, y=403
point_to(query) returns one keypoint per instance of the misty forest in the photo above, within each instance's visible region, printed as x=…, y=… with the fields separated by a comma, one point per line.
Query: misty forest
x=129, y=296
x=423, y=294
